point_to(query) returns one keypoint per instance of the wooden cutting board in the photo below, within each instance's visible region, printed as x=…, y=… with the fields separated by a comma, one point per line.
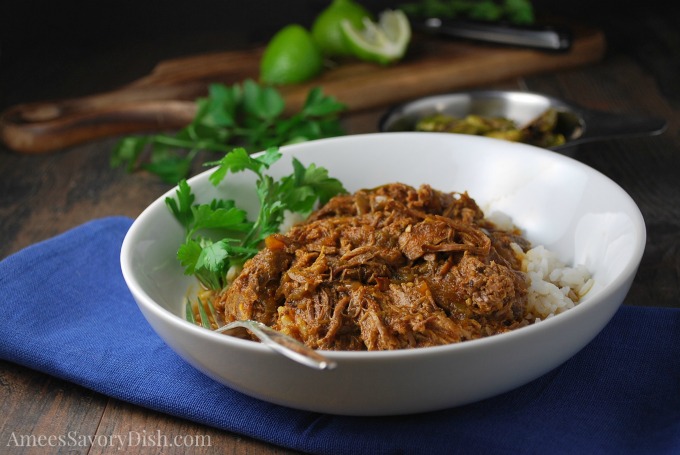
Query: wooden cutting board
x=164, y=99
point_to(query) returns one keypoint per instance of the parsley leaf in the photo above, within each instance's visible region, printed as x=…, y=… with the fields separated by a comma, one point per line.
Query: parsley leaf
x=219, y=235
x=244, y=115
x=182, y=206
x=239, y=160
x=518, y=12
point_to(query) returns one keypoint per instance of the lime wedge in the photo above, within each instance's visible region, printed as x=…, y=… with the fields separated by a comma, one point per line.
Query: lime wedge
x=383, y=42
x=326, y=27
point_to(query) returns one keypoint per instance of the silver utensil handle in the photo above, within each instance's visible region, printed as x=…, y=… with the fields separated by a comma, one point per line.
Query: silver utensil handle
x=290, y=347
x=283, y=344
x=544, y=38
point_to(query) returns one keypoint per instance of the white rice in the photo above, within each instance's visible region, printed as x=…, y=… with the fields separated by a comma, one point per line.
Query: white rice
x=554, y=287
x=290, y=219
x=501, y=220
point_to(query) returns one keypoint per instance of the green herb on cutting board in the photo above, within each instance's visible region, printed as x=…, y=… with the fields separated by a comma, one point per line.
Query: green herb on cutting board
x=245, y=115
x=518, y=12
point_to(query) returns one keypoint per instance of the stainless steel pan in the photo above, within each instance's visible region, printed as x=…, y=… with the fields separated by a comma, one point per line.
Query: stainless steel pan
x=578, y=124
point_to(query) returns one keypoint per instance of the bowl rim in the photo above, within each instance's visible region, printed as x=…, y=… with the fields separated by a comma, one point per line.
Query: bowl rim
x=145, y=302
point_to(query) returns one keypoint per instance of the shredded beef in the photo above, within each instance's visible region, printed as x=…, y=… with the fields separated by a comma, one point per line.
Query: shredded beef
x=389, y=268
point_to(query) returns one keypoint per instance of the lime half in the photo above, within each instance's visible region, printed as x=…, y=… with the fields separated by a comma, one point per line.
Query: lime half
x=383, y=42
x=326, y=28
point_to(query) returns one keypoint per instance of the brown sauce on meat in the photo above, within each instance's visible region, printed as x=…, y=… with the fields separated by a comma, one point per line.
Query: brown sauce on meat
x=389, y=268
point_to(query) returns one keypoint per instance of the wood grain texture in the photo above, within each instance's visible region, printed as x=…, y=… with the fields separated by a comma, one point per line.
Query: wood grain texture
x=50, y=407
x=164, y=98
x=144, y=426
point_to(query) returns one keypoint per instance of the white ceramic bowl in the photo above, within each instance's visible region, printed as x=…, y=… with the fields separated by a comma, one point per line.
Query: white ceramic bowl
x=560, y=203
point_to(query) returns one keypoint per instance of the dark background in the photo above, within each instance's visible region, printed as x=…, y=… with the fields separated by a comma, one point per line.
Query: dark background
x=55, y=49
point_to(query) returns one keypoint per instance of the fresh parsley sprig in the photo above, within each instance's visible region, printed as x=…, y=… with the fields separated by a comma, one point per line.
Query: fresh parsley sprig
x=219, y=235
x=244, y=115
x=518, y=12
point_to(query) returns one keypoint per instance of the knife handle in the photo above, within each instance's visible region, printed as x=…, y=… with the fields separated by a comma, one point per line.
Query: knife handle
x=547, y=38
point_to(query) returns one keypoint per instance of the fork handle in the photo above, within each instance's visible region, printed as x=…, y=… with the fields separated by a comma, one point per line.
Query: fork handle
x=283, y=344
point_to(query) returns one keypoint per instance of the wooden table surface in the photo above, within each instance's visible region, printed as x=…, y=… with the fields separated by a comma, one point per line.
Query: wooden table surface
x=41, y=196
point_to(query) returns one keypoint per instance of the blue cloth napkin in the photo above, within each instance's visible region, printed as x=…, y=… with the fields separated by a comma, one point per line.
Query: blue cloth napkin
x=67, y=312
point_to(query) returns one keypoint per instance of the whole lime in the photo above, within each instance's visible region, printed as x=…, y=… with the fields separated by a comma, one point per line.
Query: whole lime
x=291, y=56
x=326, y=28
